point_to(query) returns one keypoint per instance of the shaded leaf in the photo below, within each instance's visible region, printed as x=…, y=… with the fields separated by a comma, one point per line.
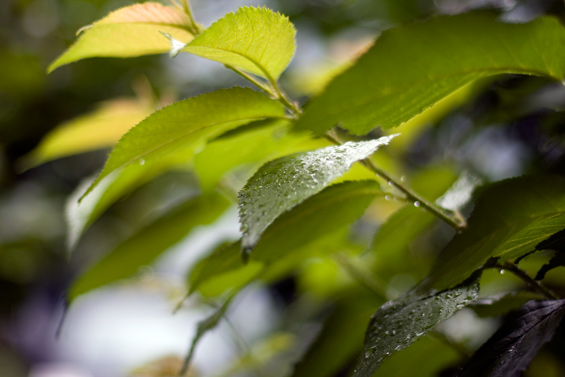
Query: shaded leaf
x=511, y=349
x=144, y=246
x=558, y=260
x=557, y=243
x=128, y=32
x=283, y=183
x=502, y=304
x=99, y=129
x=412, y=67
x=185, y=125
x=509, y=219
x=256, y=40
x=318, y=216
x=401, y=322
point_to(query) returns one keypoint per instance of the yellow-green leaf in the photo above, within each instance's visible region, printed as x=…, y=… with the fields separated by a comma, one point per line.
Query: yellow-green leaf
x=256, y=40
x=128, y=32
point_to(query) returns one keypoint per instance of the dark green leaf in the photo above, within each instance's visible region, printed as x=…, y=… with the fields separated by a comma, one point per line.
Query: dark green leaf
x=401, y=322
x=509, y=219
x=143, y=247
x=412, y=67
x=182, y=127
x=282, y=184
x=502, y=304
x=511, y=349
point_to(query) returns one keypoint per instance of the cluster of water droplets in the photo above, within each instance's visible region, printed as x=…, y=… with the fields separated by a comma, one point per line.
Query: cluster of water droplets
x=399, y=323
x=283, y=183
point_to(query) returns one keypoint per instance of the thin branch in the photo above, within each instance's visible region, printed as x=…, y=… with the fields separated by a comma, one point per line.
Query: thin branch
x=251, y=79
x=533, y=284
x=453, y=219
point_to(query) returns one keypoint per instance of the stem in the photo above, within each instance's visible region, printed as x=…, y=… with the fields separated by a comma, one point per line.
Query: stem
x=533, y=284
x=196, y=29
x=455, y=220
x=282, y=98
x=252, y=79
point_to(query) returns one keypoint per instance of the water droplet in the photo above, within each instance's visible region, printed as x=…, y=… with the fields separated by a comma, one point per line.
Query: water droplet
x=141, y=161
x=501, y=271
x=390, y=183
x=393, y=332
x=403, y=179
x=416, y=203
x=388, y=197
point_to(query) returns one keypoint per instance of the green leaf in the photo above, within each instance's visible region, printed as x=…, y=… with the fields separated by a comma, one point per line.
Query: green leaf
x=341, y=338
x=320, y=215
x=256, y=40
x=286, y=182
x=99, y=129
x=412, y=67
x=128, y=32
x=510, y=218
x=143, y=247
x=186, y=125
x=401, y=322
x=502, y=304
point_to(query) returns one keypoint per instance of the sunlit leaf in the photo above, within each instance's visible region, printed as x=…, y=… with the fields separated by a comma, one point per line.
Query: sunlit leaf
x=412, y=67
x=100, y=129
x=510, y=218
x=401, y=322
x=186, y=125
x=128, y=32
x=144, y=246
x=511, y=349
x=284, y=183
x=256, y=40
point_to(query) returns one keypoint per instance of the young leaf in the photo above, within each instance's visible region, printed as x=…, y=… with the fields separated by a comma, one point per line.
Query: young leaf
x=283, y=183
x=411, y=67
x=185, y=125
x=99, y=129
x=322, y=214
x=509, y=219
x=511, y=349
x=401, y=322
x=256, y=40
x=143, y=247
x=128, y=32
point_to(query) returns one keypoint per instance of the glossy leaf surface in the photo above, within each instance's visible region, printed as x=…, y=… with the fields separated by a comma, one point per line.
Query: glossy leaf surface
x=128, y=32
x=511, y=349
x=143, y=247
x=412, y=67
x=283, y=183
x=401, y=322
x=256, y=40
x=510, y=218
x=185, y=125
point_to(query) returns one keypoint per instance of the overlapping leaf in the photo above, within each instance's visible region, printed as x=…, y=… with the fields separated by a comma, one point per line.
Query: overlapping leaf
x=143, y=247
x=128, y=32
x=99, y=129
x=322, y=214
x=256, y=40
x=283, y=183
x=512, y=348
x=510, y=218
x=416, y=65
x=401, y=322
x=186, y=125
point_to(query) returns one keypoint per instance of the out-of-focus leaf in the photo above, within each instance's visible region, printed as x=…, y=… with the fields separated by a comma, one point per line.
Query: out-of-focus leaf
x=143, y=247
x=185, y=125
x=322, y=214
x=128, y=32
x=502, y=304
x=401, y=322
x=511, y=349
x=412, y=67
x=100, y=129
x=256, y=40
x=557, y=243
x=265, y=141
x=282, y=184
x=509, y=219
x=341, y=338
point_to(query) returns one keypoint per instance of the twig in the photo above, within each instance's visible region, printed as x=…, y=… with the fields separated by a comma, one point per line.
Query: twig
x=533, y=284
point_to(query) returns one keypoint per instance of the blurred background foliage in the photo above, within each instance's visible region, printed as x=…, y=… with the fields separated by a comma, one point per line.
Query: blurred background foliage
x=491, y=130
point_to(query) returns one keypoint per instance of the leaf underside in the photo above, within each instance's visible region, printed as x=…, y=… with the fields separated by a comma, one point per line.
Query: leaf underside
x=411, y=67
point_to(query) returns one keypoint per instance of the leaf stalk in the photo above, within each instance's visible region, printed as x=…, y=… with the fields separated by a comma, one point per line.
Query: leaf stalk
x=531, y=283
